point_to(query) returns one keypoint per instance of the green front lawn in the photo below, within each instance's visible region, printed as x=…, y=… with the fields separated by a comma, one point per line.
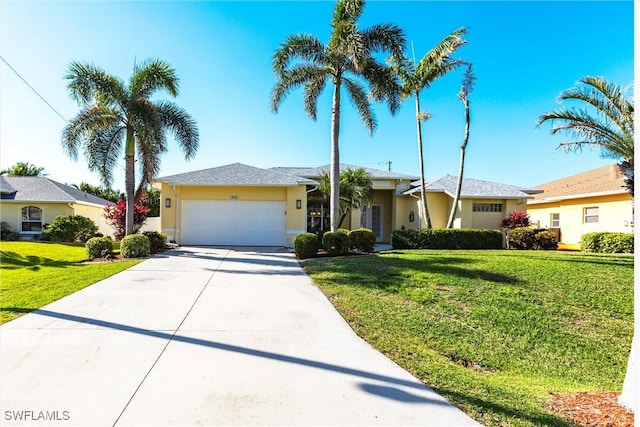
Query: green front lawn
x=35, y=274
x=495, y=332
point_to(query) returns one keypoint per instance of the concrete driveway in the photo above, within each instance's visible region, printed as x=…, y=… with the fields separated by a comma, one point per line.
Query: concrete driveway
x=204, y=336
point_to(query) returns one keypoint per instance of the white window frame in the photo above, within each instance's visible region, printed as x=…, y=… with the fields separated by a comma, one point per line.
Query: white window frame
x=555, y=222
x=589, y=215
x=26, y=219
x=487, y=207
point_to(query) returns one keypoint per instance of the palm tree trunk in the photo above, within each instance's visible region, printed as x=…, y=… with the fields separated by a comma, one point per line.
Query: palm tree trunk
x=463, y=147
x=130, y=180
x=424, y=212
x=334, y=178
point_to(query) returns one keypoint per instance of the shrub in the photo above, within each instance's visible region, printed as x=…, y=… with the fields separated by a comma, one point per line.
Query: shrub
x=336, y=243
x=516, y=219
x=71, y=228
x=135, y=246
x=7, y=233
x=545, y=240
x=306, y=245
x=157, y=241
x=446, y=239
x=116, y=215
x=522, y=238
x=97, y=247
x=604, y=242
x=362, y=240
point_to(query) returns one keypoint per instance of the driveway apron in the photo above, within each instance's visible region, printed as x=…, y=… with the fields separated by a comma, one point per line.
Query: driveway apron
x=204, y=336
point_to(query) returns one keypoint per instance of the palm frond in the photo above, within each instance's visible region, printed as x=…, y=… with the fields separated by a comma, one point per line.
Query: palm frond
x=291, y=79
x=89, y=120
x=384, y=38
x=312, y=91
x=153, y=75
x=384, y=83
x=468, y=82
x=181, y=125
x=102, y=151
x=347, y=10
x=146, y=122
x=149, y=151
x=360, y=100
x=90, y=84
x=303, y=47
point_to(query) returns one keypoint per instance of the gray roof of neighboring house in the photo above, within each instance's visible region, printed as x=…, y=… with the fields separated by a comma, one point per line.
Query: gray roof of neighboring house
x=473, y=188
x=236, y=174
x=42, y=189
x=316, y=172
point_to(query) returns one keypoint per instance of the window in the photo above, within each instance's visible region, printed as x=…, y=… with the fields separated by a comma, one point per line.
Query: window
x=487, y=207
x=31, y=219
x=590, y=215
x=555, y=220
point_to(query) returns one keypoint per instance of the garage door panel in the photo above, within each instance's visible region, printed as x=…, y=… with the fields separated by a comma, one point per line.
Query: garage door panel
x=233, y=223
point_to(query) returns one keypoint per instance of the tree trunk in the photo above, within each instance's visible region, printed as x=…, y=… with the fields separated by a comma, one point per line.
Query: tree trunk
x=130, y=181
x=334, y=174
x=424, y=212
x=463, y=147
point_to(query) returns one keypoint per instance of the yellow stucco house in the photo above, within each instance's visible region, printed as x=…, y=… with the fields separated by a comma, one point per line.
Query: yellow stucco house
x=595, y=200
x=482, y=204
x=240, y=205
x=27, y=203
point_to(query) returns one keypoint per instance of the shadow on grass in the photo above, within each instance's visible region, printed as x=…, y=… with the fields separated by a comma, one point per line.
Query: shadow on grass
x=549, y=420
x=13, y=260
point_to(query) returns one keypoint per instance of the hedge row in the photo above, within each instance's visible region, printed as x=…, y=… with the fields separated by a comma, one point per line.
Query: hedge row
x=446, y=239
x=608, y=243
x=532, y=238
x=306, y=245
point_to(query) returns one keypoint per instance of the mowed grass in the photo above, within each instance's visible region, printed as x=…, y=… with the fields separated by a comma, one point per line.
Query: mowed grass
x=495, y=332
x=35, y=274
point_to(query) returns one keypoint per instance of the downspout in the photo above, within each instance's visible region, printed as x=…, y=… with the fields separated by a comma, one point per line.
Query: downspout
x=175, y=217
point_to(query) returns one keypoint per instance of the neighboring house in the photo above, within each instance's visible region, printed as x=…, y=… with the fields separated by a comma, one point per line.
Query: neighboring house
x=595, y=200
x=482, y=204
x=244, y=205
x=28, y=203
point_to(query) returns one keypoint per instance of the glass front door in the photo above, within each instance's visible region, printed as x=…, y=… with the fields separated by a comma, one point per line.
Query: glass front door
x=372, y=219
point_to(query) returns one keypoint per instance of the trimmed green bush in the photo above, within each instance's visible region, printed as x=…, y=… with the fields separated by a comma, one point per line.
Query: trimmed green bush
x=157, y=241
x=7, y=233
x=546, y=240
x=135, y=246
x=446, y=239
x=336, y=243
x=306, y=245
x=362, y=240
x=522, y=238
x=610, y=243
x=70, y=228
x=98, y=246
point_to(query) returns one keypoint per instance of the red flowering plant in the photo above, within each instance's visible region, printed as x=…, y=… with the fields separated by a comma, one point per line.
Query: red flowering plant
x=116, y=216
x=515, y=220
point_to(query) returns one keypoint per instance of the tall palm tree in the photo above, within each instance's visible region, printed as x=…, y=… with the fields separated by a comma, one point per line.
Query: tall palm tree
x=465, y=90
x=433, y=65
x=346, y=60
x=605, y=121
x=356, y=190
x=115, y=115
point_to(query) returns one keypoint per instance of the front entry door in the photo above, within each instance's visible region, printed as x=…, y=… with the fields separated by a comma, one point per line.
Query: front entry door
x=372, y=219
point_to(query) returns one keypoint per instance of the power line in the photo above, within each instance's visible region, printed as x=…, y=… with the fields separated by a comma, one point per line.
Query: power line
x=31, y=87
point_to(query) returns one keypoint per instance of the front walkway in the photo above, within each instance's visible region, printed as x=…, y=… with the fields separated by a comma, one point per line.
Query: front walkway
x=204, y=336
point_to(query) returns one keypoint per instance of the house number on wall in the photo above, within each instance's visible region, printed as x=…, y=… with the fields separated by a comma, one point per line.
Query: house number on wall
x=233, y=197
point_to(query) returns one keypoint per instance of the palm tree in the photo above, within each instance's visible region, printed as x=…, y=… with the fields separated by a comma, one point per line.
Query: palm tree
x=433, y=65
x=605, y=122
x=115, y=115
x=356, y=190
x=465, y=90
x=346, y=60
x=23, y=169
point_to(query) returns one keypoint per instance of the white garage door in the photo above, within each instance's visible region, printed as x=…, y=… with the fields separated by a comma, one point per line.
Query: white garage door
x=233, y=223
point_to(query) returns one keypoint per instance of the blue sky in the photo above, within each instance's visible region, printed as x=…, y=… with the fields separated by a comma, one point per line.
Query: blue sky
x=524, y=55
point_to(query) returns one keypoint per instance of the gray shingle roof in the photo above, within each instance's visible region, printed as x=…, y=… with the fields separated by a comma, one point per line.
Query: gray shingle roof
x=42, y=189
x=472, y=188
x=236, y=174
x=315, y=173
